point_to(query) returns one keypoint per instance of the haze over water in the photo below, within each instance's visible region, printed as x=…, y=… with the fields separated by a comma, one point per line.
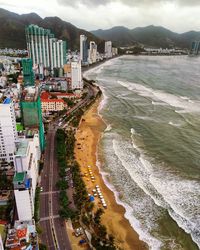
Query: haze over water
x=151, y=147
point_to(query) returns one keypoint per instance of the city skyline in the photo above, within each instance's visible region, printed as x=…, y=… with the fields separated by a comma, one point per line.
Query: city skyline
x=104, y=14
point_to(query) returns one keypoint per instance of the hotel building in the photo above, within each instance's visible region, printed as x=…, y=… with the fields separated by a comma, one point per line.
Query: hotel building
x=108, y=49
x=83, y=49
x=92, y=53
x=45, y=50
x=8, y=132
x=76, y=76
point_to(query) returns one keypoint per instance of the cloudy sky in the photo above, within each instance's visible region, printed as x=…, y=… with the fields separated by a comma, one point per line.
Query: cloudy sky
x=177, y=15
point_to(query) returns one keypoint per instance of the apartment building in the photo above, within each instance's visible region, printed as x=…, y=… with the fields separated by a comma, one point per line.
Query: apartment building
x=8, y=131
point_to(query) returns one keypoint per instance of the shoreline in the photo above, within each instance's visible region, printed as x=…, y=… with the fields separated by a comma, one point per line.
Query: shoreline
x=88, y=135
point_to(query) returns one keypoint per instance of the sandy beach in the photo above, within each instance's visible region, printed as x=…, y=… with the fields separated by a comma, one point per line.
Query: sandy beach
x=87, y=136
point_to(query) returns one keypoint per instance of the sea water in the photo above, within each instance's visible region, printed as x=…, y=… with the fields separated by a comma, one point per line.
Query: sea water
x=151, y=147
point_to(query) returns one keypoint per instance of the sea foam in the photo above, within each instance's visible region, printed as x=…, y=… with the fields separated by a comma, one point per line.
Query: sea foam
x=158, y=95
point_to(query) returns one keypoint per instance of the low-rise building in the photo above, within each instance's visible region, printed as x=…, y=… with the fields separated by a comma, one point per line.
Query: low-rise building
x=24, y=196
x=27, y=158
x=50, y=102
x=5, y=196
x=52, y=105
x=22, y=236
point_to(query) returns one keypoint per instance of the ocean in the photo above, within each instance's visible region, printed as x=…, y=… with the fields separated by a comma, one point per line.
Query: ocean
x=150, y=150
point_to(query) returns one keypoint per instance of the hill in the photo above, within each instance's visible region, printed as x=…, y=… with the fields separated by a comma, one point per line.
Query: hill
x=12, y=32
x=154, y=36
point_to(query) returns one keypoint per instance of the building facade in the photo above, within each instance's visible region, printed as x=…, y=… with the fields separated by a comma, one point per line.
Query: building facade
x=28, y=75
x=24, y=196
x=8, y=131
x=52, y=105
x=108, y=49
x=45, y=50
x=32, y=112
x=58, y=50
x=195, y=48
x=76, y=76
x=92, y=54
x=37, y=39
x=27, y=158
x=83, y=49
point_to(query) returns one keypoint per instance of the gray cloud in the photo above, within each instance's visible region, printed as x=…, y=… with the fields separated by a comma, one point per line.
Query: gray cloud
x=93, y=3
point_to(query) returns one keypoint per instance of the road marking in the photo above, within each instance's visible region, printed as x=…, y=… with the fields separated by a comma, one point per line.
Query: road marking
x=49, y=217
x=52, y=192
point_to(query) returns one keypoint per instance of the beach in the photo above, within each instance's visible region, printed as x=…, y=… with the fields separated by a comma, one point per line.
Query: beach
x=87, y=137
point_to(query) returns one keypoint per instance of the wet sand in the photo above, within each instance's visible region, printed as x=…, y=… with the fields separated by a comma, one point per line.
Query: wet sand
x=87, y=137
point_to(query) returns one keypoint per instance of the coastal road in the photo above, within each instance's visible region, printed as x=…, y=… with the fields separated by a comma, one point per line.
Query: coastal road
x=54, y=233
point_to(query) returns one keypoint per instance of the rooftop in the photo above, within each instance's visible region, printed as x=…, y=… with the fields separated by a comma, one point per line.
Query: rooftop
x=19, y=177
x=7, y=101
x=22, y=148
x=52, y=100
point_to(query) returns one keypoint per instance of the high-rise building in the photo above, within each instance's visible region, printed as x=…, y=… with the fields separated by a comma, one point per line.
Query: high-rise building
x=92, y=53
x=37, y=39
x=28, y=75
x=8, y=132
x=46, y=51
x=76, y=76
x=27, y=158
x=58, y=50
x=108, y=49
x=32, y=112
x=195, y=48
x=83, y=49
x=114, y=51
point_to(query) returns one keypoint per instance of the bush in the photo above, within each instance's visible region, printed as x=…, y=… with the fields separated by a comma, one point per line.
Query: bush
x=37, y=205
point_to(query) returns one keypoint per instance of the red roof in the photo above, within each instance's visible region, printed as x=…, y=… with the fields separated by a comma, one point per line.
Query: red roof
x=52, y=100
x=21, y=233
x=45, y=95
x=3, y=222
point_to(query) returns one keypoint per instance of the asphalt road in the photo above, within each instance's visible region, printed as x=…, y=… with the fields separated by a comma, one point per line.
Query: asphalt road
x=54, y=234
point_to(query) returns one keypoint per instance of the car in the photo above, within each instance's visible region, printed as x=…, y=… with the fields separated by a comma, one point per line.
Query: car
x=41, y=189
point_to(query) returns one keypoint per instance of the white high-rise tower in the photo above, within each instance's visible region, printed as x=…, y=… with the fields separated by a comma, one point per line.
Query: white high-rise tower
x=8, y=131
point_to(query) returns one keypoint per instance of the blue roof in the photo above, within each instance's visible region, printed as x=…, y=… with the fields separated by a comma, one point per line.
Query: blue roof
x=28, y=183
x=7, y=101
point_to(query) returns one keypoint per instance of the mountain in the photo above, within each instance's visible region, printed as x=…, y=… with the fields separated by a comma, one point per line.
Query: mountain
x=12, y=31
x=154, y=36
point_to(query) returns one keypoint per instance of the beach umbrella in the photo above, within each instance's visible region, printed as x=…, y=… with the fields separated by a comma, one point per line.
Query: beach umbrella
x=94, y=190
x=91, y=198
x=97, y=186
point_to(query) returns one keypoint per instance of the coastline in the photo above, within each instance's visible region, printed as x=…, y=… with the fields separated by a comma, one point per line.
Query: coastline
x=88, y=135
